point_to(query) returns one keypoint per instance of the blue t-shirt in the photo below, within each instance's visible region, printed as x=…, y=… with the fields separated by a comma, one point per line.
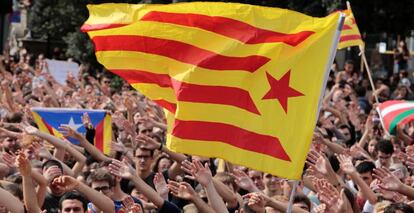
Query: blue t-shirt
x=120, y=205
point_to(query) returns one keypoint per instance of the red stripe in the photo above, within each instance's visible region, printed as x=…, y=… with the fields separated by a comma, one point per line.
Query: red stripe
x=215, y=95
x=167, y=105
x=349, y=37
x=386, y=104
x=49, y=128
x=231, y=28
x=407, y=120
x=346, y=27
x=138, y=76
x=99, y=134
x=232, y=135
x=390, y=116
x=179, y=51
x=93, y=27
x=193, y=92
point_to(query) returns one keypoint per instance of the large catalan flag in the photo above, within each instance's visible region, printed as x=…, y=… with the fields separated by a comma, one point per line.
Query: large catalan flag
x=49, y=119
x=394, y=113
x=350, y=35
x=243, y=82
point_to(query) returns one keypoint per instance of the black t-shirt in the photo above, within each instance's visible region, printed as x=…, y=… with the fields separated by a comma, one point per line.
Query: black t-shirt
x=51, y=203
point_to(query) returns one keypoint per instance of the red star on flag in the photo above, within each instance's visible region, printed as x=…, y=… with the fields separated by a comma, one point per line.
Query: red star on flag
x=280, y=90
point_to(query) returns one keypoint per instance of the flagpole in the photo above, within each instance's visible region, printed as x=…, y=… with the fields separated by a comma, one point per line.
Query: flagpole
x=365, y=62
x=292, y=196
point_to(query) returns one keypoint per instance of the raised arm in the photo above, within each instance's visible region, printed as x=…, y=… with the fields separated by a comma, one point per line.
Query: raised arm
x=391, y=183
x=149, y=143
x=202, y=174
x=228, y=196
x=184, y=191
x=347, y=166
x=68, y=183
x=29, y=192
x=121, y=169
x=98, y=155
x=10, y=202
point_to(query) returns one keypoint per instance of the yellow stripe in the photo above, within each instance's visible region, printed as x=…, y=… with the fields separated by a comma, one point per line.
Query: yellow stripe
x=239, y=156
x=113, y=60
x=205, y=40
x=275, y=19
x=38, y=120
x=42, y=126
x=156, y=92
x=107, y=137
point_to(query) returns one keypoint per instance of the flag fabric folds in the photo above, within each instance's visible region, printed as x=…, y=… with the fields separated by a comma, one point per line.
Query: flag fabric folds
x=350, y=35
x=394, y=113
x=49, y=119
x=242, y=82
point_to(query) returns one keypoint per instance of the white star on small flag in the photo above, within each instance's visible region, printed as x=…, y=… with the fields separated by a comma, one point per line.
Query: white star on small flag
x=73, y=125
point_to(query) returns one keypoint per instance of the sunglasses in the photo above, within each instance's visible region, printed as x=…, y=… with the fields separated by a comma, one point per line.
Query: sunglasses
x=102, y=188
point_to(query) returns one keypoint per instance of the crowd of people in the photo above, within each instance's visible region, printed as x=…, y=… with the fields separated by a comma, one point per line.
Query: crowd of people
x=352, y=166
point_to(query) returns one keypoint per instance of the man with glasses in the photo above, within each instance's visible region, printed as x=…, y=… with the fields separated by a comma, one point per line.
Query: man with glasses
x=102, y=181
x=144, y=157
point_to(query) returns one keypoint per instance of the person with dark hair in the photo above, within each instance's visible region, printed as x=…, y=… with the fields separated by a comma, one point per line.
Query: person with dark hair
x=102, y=181
x=72, y=202
x=347, y=73
x=401, y=56
x=303, y=202
x=365, y=170
x=399, y=208
x=52, y=169
x=384, y=149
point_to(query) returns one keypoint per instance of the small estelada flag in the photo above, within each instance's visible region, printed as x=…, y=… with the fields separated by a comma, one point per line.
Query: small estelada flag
x=350, y=35
x=49, y=119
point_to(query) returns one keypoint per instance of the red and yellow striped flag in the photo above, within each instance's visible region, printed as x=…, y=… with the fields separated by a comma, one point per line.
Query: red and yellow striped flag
x=350, y=35
x=242, y=81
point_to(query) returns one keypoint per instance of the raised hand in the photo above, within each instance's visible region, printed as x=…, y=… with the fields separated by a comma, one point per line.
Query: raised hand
x=147, y=142
x=121, y=169
x=9, y=159
x=65, y=183
x=346, y=164
x=387, y=180
x=69, y=132
x=243, y=180
x=256, y=202
x=161, y=185
x=182, y=190
x=319, y=162
x=200, y=173
x=31, y=130
x=86, y=120
x=118, y=147
x=336, y=202
x=52, y=173
x=23, y=164
x=128, y=103
x=409, y=162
